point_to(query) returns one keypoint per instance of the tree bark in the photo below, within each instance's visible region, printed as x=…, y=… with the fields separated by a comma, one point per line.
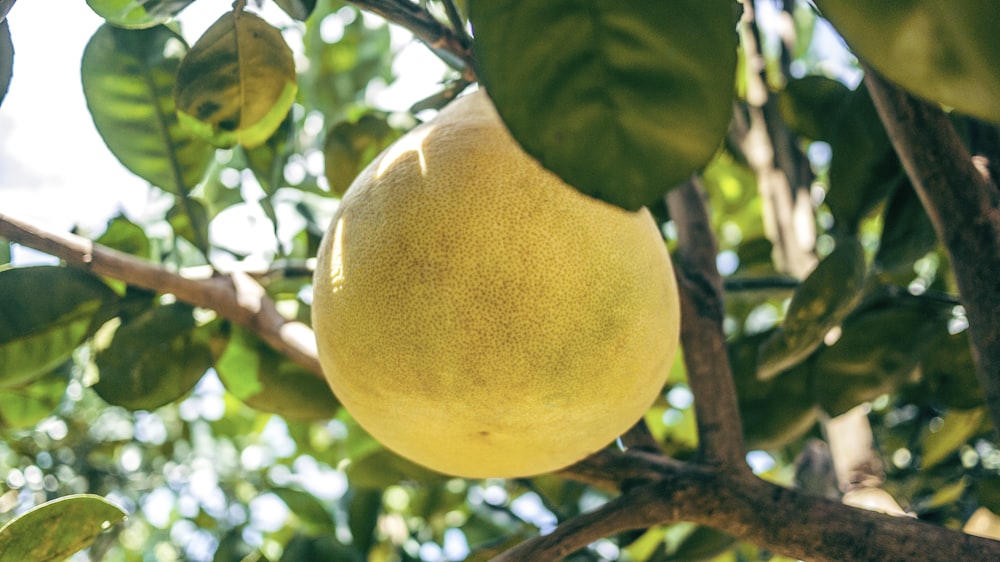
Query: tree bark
x=963, y=203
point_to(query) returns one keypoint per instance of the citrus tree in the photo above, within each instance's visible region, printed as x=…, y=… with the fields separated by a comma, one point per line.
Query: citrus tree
x=832, y=215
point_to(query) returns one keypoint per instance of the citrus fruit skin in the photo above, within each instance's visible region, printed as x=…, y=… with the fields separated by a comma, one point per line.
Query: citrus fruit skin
x=482, y=318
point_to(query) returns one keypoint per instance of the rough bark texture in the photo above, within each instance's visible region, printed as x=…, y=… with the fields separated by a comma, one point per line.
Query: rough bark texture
x=964, y=206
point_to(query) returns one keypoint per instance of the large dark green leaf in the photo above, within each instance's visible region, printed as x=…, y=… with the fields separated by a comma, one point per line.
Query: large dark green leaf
x=820, y=304
x=875, y=354
x=6, y=59
x=623, y=100
x=46, y=313
x=237, y=83
x=137, y=13
x=58, y=528
x=24, y=406
x=907, y=232
x=128, y=78
x=154, y=359
x=268, y=381
x=948, y=52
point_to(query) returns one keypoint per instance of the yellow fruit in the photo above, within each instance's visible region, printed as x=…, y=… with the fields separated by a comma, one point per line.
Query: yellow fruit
x=479, y=316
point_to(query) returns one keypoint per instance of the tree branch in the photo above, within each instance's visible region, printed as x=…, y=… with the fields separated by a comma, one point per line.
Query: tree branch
x=720, y=431
x=964, y=206
x=444, y=41
x=236, y=297
x=783, y=520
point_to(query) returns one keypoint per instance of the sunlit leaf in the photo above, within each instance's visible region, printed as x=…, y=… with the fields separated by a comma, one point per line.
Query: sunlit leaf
x=128, y=78
x=26, y=405
x=125, y=236
x=350, y=146
x=622, y=100
x=46, y=313
x=298, y=9
x=154, y=359
x=957, y=428
x=58, y=528
x=820, y=304
x=237, y=83
x=907, y=234
x=137, y=13
x=948, y=52
x=268, y=381
x=6, y=59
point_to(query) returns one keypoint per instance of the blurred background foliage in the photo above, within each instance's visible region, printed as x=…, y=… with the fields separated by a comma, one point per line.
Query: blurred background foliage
x=221, y=450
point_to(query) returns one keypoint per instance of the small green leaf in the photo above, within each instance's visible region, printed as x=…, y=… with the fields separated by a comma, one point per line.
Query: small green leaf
x=308, y=509
x=154, y=359
x=125, y=236
x=325, y=547
x=58, y=528
x=813, y=105
x=268, y=160
x=298, y=9
x=268, y=381
x=350, y=146
x=237, y=83
x=704, y=543
x=362, y=516
x=820, y=304
x=907, y=234
x=947, y=52
x=26, y=405
x=622, y=100
x=189, y=220
x=382, y=468
x=6, y=59
x=959, y=426
x=45, y=314
x=128, y=78
x=137, y=14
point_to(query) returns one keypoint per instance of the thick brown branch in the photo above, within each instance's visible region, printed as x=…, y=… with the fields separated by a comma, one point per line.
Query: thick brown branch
x=720, y=431
x=440, y=38
x=964, y=206
x=782, y=520
x=236, y=297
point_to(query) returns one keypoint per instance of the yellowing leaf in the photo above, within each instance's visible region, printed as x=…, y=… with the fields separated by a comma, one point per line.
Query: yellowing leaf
x=237, y=83
x=57, y=529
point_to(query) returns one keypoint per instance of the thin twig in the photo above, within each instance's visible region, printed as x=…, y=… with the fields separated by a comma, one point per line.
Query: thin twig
x=963, y=204
x=457, y=23
x=439, y=37
x=236, y=297
x=720, y=432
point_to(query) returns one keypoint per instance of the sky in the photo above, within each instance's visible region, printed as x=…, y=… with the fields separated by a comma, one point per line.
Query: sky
x=54, y=167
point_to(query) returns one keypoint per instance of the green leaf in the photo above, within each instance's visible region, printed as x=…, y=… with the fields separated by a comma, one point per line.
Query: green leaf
x=362, y=517
x=382, y=468
x=189, y=220
x=350, y=146
x=237, y=83
x=268, y=381
x=959, y=426
x=154, y=359
x=26, y=405
x=308, y=509
x=864, y=168
x=45, y=314
x=128, y=78
x=907, y=234
x=137, y=13
x=58, y=528
x=813, y=106
x=326, y=547
x=6, y=59
x=877, y=351
x=950, y=373
x=125, y=236
x=622, y=100
x=820, y=304
x=268, y=160
x=298, y=9
x=947, y=52
x=5, y=6
x=704, y=543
